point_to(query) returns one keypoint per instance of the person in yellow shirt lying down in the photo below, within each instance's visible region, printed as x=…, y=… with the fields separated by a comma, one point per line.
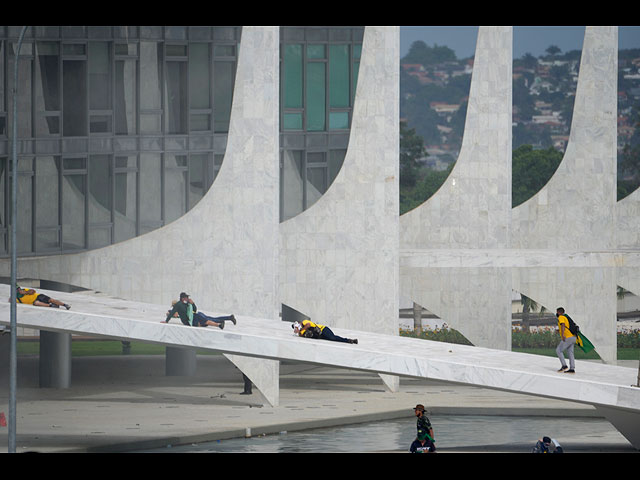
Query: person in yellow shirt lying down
x=30, y=297
x=308, y=329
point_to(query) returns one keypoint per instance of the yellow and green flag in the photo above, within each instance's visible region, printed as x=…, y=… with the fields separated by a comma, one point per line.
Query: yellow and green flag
x=583, y=342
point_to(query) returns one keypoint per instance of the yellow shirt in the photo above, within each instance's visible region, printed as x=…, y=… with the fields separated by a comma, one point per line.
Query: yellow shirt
x=309, y=324
x=562, y=320
x=27, y=298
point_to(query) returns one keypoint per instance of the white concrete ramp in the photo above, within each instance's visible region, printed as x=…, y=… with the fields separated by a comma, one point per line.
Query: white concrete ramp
x=611, y=389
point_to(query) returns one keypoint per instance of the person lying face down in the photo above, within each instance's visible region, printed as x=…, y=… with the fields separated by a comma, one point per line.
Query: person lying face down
x=308, y=329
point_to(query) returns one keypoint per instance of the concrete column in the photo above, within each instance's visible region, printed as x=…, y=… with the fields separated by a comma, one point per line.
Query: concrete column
x=55, y=359
x=180, y=361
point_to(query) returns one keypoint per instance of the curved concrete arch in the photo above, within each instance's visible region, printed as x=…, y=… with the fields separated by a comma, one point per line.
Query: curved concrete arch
x=224, y=251
x=574, y=215
x=339, y=257
x=579, y=198
x=471, y=211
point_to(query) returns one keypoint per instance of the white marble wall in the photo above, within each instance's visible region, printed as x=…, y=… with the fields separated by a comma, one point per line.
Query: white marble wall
x=576, y=210
x=224, y=251
x=472, y=209
x=339, y=258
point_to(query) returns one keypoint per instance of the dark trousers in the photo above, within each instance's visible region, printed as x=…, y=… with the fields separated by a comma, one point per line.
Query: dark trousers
x=327, y=334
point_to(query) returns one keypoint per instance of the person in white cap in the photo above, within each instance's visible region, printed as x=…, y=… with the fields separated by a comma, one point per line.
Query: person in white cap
x=308, y=329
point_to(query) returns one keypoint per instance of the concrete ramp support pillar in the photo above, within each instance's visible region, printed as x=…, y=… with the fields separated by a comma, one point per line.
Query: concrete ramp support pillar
x=55, y=359
x=627, y=422
x=180, y=362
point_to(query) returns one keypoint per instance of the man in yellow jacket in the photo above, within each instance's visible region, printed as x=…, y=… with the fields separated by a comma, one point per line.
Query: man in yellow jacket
x=308, y=329
x=567, y=342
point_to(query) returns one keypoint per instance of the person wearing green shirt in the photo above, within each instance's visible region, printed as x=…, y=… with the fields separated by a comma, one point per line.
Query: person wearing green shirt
x=187, y=311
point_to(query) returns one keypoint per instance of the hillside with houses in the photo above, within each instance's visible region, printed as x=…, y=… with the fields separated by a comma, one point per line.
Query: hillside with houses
x=434, y=88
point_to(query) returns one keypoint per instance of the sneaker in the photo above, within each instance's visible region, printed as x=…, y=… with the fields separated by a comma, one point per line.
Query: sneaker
x=53, y=305
x=354, y=340
x=233, y=319
x=221, y=326
x=562, y=369
x=571, y=370
x=67, y=306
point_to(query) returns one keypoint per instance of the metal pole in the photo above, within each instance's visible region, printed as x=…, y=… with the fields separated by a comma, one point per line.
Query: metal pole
x=13, y=363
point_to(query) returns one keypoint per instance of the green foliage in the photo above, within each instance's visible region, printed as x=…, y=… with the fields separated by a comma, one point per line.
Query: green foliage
x=531, y=170
x=447, y=335
x=411, y=150
x=425, y=186
x=421, y=53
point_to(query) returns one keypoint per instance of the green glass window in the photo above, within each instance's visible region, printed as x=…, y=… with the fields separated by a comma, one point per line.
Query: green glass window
x=293, y=121
x=293, y=76
x=339, y=76
x=316, y=96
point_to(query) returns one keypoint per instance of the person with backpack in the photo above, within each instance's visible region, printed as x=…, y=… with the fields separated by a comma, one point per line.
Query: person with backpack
x=568, y=336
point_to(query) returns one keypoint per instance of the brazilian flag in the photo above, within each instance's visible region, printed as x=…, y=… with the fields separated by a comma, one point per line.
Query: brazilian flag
x=583, y=342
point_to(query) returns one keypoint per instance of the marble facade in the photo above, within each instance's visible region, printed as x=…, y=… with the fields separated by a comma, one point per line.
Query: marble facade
x=345, y=259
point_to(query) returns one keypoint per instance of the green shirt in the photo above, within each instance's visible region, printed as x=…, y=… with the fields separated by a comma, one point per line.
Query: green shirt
x=184, y=310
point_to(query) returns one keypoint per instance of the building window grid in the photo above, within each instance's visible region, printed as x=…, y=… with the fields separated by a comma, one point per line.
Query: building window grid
x=74, y=51
x=329, y=156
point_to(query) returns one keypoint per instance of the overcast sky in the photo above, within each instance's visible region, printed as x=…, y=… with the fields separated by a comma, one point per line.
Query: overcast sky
x=529, y=39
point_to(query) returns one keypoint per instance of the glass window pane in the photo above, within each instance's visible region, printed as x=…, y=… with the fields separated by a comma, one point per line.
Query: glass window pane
x=175, y=97
x=47, y=88
x=47, y=239
x=198, y=164
x=73, y=49
x=100, y=189
x=199, y=76
x=292, y=76
x=316, y=184
x=3, y=217
x=150, y=65
x=2, y=89
x=339, y=86
x=74, y=120
x=292, y=184
x=99, y=76
x=100, y=123
x=223, y=80
x=125, y=96
x=292, y=121
x=99, y=237
x=23, y=93
x=47, y=194
x=176, y=50
x=125, y=205
x=338, y=120
x=224, y=50
x=316, y=95
x=315, y=51
x=73, y=211
x=150, y=194
x=25, y=209
x=175, y=193
x=150, y=123
x=200, y=122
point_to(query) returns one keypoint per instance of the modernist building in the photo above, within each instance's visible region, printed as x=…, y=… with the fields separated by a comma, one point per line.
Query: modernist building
x=299, y=127
x=122, y=130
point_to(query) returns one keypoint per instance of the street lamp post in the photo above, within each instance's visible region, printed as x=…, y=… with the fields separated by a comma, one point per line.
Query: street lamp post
x=13, y=356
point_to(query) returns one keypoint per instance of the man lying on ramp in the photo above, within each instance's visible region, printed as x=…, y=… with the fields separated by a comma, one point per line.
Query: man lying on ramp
x=308, y=329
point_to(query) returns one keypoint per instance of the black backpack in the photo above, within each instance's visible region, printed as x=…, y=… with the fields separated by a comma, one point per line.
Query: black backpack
x=573, y=328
